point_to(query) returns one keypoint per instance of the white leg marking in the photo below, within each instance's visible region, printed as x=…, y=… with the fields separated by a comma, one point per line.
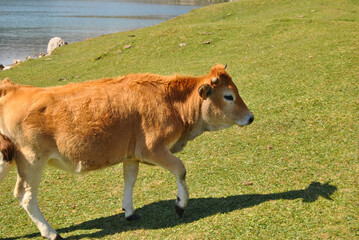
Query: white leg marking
x=182, y=192
x=130, y=171
x=29, y=203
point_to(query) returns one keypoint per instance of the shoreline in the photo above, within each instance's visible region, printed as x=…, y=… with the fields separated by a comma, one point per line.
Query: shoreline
x=18, y=61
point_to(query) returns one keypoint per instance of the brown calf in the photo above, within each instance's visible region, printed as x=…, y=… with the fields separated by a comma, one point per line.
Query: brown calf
x=138, y=118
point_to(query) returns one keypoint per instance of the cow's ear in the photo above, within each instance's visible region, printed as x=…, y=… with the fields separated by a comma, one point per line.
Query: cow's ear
x=205, y=90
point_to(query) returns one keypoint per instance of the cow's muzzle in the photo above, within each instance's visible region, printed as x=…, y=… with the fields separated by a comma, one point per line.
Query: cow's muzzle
x=248, y=119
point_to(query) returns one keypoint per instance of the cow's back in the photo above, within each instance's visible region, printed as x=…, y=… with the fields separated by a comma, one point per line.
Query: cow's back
x=92, y=124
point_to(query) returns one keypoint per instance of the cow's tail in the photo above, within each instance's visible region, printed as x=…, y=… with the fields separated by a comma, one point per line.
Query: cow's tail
x=6, y=156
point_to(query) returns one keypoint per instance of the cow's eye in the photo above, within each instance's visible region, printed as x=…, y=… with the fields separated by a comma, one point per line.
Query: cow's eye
x=228, y=97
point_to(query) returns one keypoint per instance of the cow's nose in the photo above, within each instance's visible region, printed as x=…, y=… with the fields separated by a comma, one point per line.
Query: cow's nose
x=251, y=119
x=248, y=119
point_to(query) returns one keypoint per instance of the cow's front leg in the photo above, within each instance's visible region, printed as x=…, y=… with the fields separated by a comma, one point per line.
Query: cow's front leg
x=164, y=158
x=182, y=195
x=130, y=171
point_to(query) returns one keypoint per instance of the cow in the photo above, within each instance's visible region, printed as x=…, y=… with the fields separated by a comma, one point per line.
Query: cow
x=131, y=119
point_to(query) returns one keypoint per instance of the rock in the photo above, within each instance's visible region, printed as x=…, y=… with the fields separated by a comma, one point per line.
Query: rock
x=127, y=46
x=16, y=61
x=8, y=67
x=55, y=43
x=1, y=67
x=208, y=41
x=41, y=55
x=182, y=44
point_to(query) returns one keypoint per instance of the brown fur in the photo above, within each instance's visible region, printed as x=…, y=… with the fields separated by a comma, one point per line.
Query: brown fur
x=102, y=122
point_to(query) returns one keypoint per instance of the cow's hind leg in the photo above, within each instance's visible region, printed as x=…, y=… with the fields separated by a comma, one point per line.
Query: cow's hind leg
x=28, y=181
x=130, y=171
x=164, y=158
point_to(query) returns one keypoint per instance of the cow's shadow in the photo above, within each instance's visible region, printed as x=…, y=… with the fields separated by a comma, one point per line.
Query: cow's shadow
x=161, y=214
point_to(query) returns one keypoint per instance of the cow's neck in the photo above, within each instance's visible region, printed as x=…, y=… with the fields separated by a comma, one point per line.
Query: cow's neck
x=184, y=98
x=186, y=101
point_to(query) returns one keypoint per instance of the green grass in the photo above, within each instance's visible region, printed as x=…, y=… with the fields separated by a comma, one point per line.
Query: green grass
x=296, y=64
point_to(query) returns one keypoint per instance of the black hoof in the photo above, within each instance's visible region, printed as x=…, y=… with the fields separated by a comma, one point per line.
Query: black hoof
x=133, y=217
x=179, y=210
x=58, y=237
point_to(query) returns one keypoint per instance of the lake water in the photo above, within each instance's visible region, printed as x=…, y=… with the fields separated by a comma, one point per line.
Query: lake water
x=26, y=26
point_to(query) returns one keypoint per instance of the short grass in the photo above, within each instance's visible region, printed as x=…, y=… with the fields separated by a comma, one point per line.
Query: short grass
x=296, y=64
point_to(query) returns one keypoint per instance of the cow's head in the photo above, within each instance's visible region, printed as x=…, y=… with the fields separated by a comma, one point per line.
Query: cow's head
x=222, y=106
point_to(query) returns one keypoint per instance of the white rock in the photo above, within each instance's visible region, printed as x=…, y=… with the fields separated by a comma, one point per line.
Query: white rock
x=54, y=43
x=8, y=67
x=17, y=61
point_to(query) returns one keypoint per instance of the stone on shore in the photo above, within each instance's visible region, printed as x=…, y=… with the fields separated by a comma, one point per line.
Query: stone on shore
x=17, y=61
x=55, y=43
x=8, y=67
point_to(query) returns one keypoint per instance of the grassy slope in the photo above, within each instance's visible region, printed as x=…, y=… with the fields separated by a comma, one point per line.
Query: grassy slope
x=296, y=65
